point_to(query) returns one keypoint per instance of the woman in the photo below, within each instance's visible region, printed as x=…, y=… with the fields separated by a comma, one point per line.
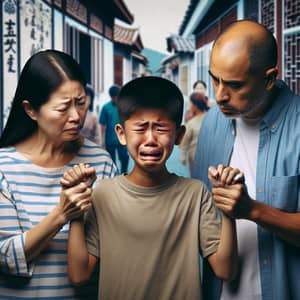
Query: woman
x=198, y=107
x=40, y=142
x=200, y=86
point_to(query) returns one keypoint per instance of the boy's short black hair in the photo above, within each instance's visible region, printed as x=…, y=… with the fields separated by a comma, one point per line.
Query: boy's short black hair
x=150, y=92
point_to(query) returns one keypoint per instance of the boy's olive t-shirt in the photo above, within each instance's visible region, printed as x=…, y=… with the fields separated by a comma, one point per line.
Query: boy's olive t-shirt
x=149, y=239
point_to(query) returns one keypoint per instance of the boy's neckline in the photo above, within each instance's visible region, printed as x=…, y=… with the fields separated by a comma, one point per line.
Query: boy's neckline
x=153, y=188
x=146, y=181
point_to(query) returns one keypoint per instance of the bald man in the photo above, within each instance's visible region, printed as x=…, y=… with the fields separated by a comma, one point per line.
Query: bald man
x=256, y=128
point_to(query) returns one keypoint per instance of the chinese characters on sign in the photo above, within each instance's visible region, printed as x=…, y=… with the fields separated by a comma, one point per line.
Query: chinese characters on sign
x=10, y=50
x=10, y=44
x=10, y=36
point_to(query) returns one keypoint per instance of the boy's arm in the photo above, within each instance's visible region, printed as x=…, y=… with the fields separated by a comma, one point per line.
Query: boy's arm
x=224, y=261
x=239, y=205
x=81, y=264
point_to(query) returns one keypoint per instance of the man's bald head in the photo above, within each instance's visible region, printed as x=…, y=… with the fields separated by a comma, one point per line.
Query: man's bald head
x=255, y=38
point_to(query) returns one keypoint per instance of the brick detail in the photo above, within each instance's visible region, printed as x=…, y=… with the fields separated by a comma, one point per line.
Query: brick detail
x=268, y=14
x=292, y=13
x=96, y=23
x=292, y=61
x=58, y=3
x=76, y=9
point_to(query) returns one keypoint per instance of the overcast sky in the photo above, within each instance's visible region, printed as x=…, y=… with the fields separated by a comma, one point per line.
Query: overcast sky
x=157, y=19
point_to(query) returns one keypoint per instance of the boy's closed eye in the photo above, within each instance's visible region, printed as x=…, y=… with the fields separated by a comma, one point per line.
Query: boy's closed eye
x=139, y=129
x=163, y=129
x=157, y=128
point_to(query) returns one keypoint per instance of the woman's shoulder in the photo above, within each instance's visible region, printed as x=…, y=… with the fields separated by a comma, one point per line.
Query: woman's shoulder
x=89, y=149
x=7, y=150
x=89, y=146
x=8, y=153
x=94, y=155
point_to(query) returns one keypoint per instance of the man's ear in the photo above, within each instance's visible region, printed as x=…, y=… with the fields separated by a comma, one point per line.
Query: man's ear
x=29, y=110
x=179, y=134
x=121, y=134
x=271, y=75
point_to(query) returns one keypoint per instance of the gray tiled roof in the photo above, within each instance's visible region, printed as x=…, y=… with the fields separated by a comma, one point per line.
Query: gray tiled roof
x=125, y=35
x=180, y=44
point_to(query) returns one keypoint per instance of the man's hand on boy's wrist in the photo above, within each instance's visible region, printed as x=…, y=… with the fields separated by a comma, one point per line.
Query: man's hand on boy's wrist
x=224, y=175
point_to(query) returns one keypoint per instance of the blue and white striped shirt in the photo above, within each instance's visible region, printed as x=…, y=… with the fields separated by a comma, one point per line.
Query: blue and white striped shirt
x=28, y=193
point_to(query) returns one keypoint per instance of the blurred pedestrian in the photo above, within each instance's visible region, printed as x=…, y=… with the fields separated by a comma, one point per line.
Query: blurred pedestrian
x=108, y=119
x=199, y=86
x=198, y=107
x=91, y=128
x=40, y=142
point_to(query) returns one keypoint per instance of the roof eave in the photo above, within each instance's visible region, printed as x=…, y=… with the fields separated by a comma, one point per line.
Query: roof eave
x=138, y=43
x=140, y=57
x=196, y=16
x=122, y=12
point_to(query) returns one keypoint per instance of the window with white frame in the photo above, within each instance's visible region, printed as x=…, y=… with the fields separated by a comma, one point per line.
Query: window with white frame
x=97, y=65
x=184, y=80
x=87, y=49
x=72, y=41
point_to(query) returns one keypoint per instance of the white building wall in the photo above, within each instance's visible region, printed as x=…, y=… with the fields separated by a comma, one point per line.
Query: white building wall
x=108, y=64
x=108, y=72
x=127, y=69
x=202, y=58
x=35, y=28
x=186, y=61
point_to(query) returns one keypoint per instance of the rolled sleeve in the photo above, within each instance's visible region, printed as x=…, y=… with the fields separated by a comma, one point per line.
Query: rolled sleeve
x=12, y=236
x=210, y=226
x=12, y=253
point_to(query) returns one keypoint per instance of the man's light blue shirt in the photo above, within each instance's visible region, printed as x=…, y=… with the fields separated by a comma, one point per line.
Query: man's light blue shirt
x=277, y=185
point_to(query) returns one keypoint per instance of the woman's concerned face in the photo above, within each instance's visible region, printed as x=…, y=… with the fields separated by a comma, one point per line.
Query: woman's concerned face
x=62, y=116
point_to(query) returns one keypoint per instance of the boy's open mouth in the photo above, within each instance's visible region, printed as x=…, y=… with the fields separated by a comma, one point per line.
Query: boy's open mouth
x=150, y=154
